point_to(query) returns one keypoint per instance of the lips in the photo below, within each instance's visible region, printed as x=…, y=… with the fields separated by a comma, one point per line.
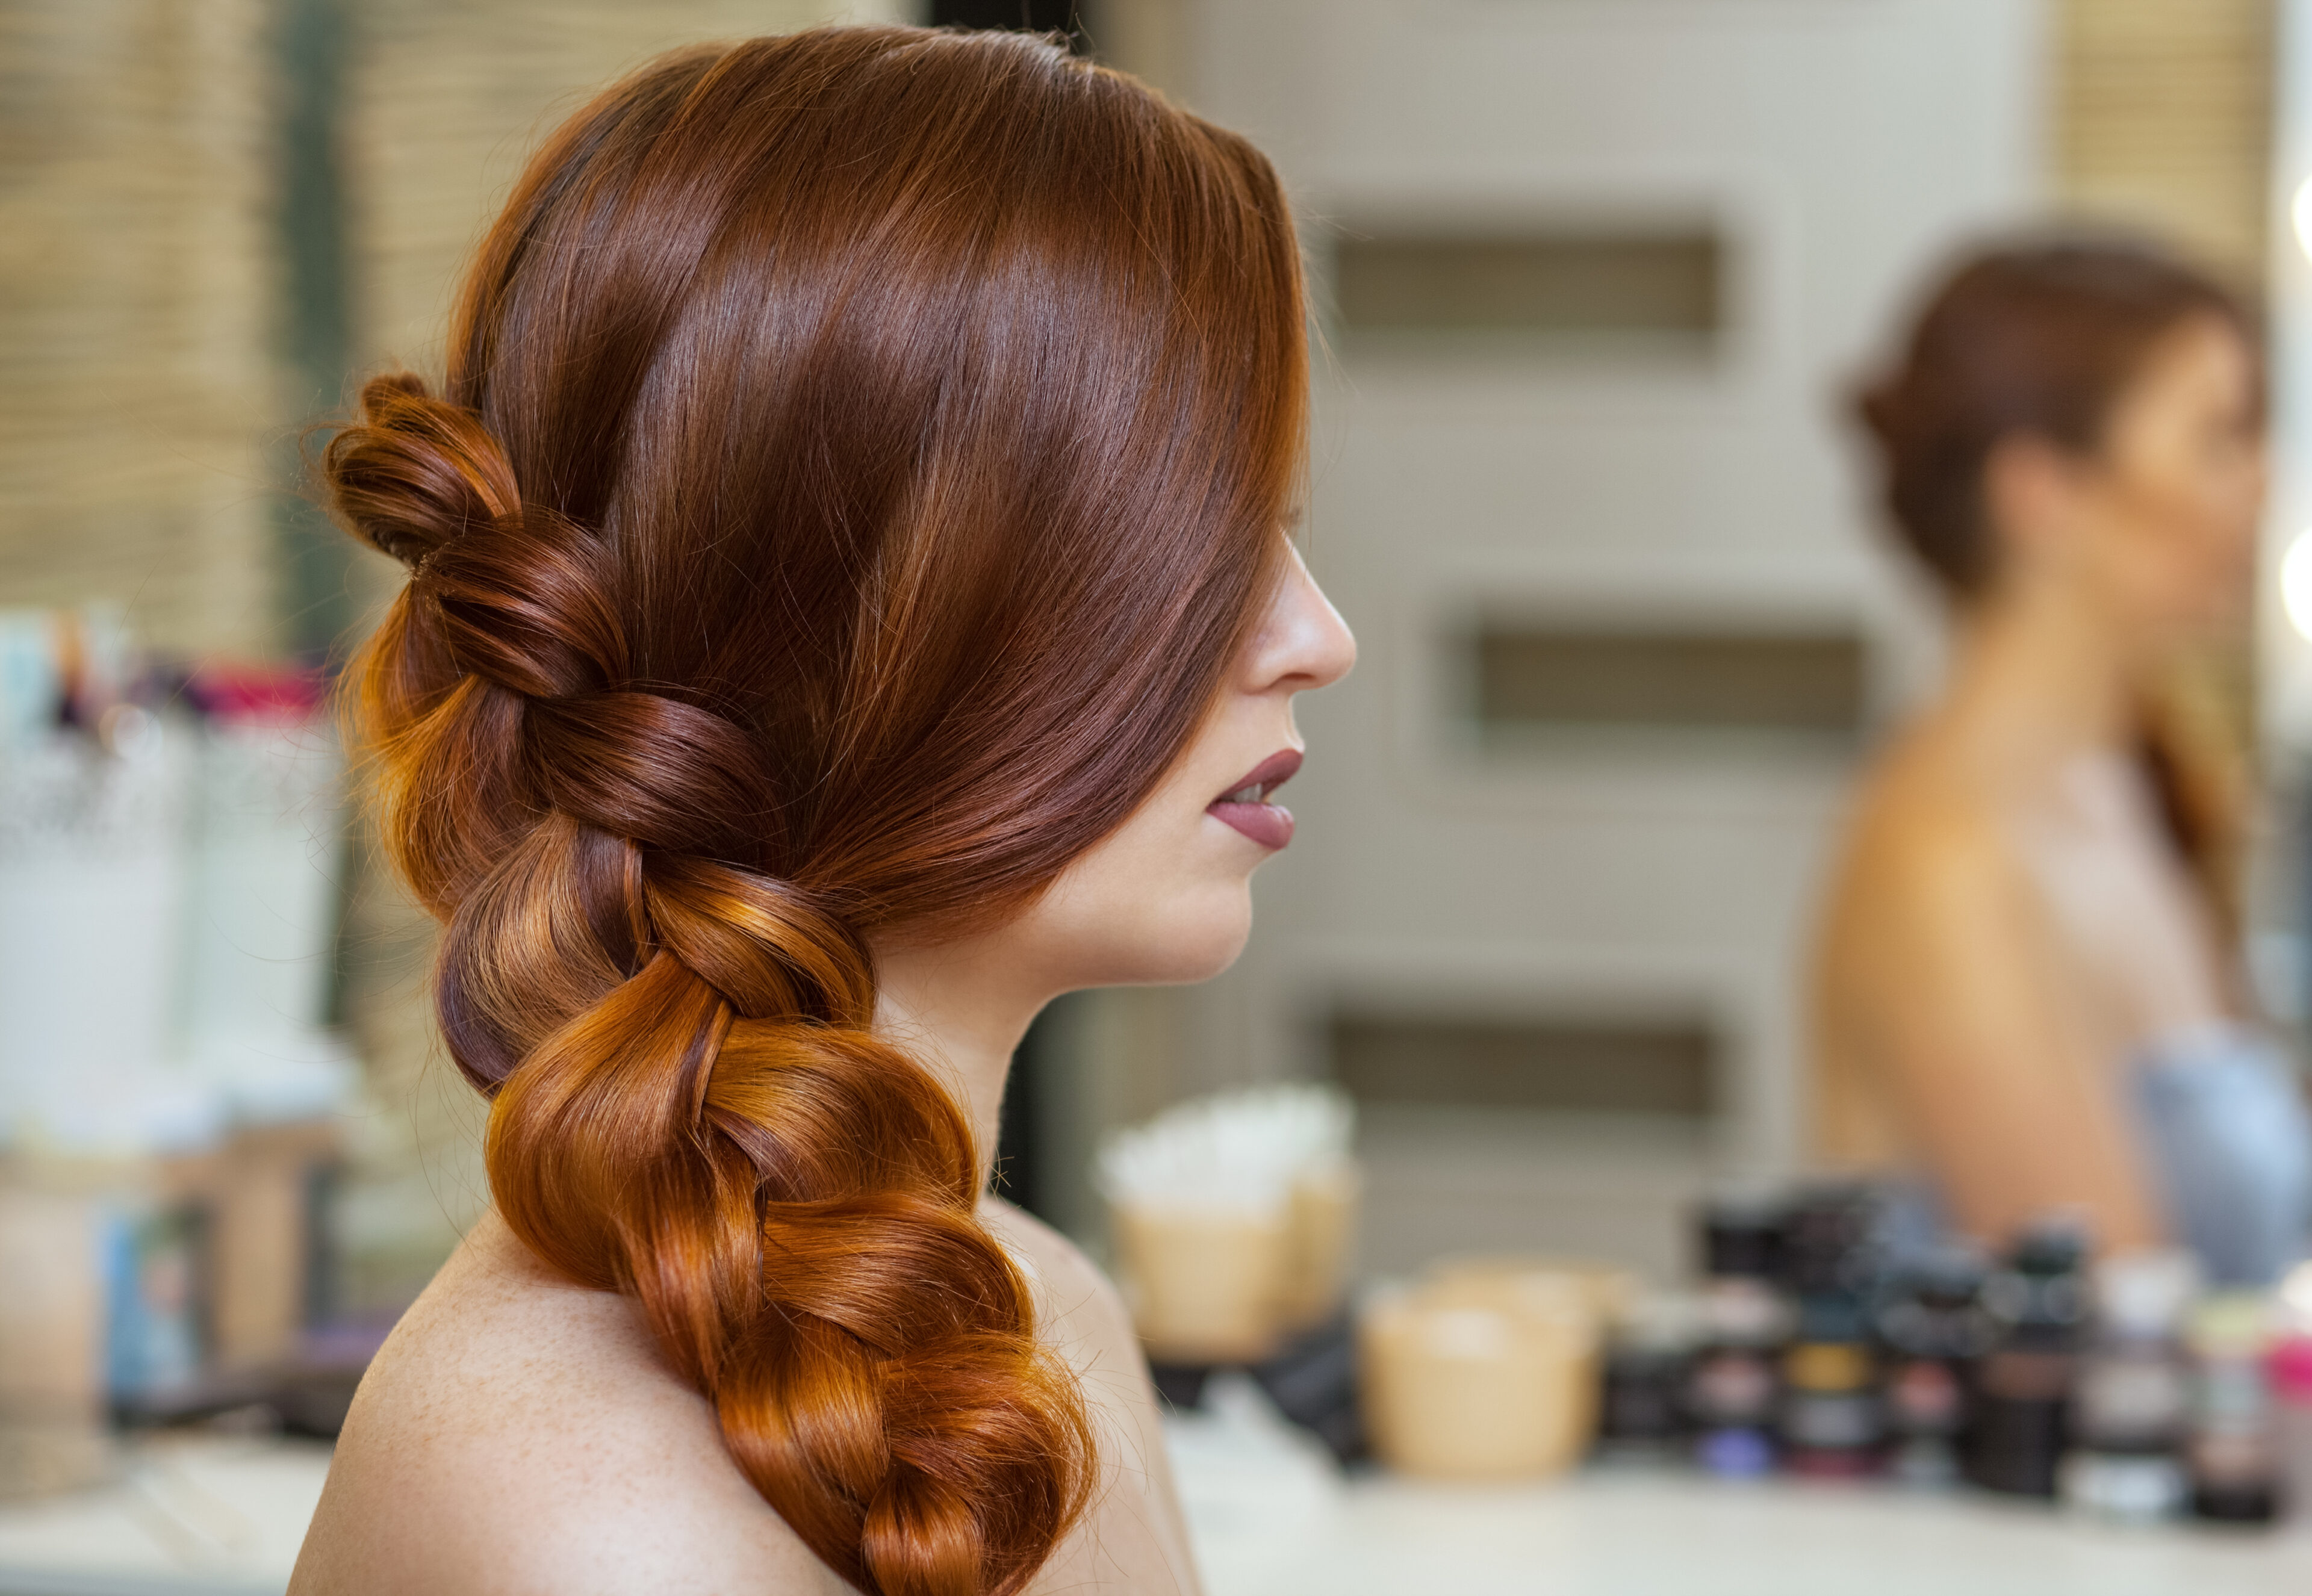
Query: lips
x=1245, y=807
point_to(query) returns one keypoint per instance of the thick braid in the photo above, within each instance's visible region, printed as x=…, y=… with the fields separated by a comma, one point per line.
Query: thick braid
x=690, y=1103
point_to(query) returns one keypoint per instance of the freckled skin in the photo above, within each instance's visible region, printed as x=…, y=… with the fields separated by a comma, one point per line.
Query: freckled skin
x=519, y=1435
x=523, y=1435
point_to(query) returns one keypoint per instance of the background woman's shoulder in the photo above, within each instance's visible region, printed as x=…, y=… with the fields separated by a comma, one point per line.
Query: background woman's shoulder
x=1927, y=819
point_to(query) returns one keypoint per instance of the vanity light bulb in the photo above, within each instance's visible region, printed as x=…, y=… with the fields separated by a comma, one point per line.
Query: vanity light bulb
x=2295, y=584
x=2301, y=211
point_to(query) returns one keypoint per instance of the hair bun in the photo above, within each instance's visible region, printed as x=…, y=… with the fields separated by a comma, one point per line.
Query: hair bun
x=414, y=473
x=1879, y=405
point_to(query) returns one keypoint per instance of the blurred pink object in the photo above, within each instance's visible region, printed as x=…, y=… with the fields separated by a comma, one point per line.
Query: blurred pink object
x=2288, y=1365
x=258, y=694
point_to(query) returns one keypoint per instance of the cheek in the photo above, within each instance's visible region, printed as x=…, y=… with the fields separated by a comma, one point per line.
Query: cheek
x=2224, y=536
x=2190, y=537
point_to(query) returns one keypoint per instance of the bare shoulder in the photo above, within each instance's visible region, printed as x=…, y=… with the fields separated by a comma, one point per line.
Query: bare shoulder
x=1132, y=1537
x=1938, y=926
x=1077, y=1305
x=1925, y=843
x=518, y=1434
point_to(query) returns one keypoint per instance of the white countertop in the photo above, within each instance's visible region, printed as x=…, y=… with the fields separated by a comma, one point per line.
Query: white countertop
x=187, y=1516
x=1273, y=1518
x=213, y=1517
x=1602, y=1535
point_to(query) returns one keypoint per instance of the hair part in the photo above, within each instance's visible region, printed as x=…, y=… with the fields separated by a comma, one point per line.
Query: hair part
x=863, y=455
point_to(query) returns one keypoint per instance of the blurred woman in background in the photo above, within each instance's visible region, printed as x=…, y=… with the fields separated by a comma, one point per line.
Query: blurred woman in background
x=2028, y=985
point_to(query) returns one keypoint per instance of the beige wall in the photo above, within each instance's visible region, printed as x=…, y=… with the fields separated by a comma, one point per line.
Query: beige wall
x=450, y=96
x=1153, y=40
x=137, y=394
x=2163, y=116
x=1660, y=881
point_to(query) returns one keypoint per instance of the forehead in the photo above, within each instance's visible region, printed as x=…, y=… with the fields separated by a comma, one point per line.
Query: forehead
x=2200, y=370
x=2204, y=358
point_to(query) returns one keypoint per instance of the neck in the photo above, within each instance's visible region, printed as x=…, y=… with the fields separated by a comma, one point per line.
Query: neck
x=2043, y=675
x=960, y=1011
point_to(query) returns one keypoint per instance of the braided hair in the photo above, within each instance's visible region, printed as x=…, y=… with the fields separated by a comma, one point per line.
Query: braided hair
x=862, y=453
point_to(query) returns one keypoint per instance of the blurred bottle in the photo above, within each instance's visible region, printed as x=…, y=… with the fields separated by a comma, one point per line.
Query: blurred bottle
x=1831, y=1421
x=1934, y=1331
x=2289, y=1366
x=2231, y=1457
x=1480, y=1374
x=1733, y=1390
x=167, y=922
x=105, y=1254
x=2017, y=1428
x=32, y=679
x=265, y=844
x=1234, y=1221
x=53, y=1338
x=2131, y=1405
x=1647, y=1365
x=265, y=841
x=91, y=903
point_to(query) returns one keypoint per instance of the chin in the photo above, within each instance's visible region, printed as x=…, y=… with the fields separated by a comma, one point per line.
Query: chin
x=1209, y=956
x=1186, y=943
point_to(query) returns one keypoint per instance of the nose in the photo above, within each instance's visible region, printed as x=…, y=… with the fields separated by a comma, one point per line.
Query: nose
x=1302, y=642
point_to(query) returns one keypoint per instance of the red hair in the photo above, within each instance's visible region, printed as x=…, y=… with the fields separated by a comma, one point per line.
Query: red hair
x=863, y=454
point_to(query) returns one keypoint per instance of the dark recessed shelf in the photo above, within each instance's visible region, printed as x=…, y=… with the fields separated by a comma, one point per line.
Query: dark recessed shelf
x=1663, y=1068
x=1529, y=681
x=1538, y=291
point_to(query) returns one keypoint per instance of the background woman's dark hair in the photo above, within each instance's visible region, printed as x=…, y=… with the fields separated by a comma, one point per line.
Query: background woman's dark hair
x=2039, y=338
x=863, y=455
x=2042, y=338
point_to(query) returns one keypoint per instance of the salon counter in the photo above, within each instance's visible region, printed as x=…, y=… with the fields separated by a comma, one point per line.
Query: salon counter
x=1272, y=1520
x=223, y=1518
x=184, y=1516
x=1598, y=1535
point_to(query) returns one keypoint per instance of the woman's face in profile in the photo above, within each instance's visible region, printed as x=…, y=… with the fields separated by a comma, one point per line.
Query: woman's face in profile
x=2181, y=481
x=1167, y=897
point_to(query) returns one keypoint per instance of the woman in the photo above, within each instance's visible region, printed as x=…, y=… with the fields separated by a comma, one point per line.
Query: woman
x=851, y=603
x=2028, y=978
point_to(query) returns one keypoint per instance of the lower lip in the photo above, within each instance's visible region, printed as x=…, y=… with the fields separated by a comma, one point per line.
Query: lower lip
x=1268, y=824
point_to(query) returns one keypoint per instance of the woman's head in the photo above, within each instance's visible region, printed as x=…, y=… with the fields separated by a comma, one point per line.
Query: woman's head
x=926, y=407
x=2086, y=411
x=861, y=482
